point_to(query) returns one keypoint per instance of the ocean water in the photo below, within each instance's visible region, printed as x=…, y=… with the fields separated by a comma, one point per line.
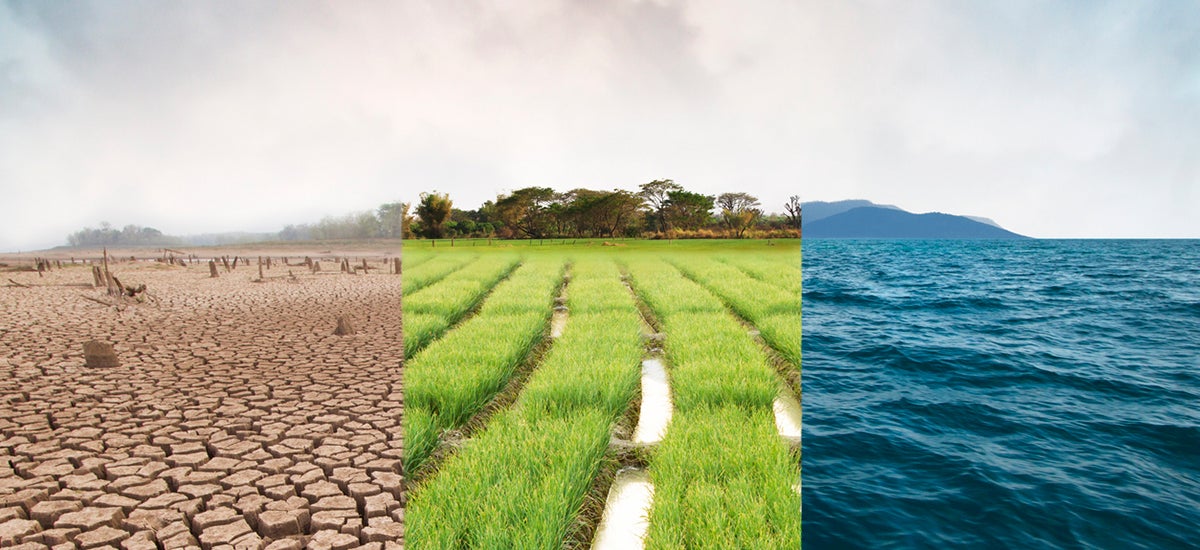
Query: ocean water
x=1001, y=394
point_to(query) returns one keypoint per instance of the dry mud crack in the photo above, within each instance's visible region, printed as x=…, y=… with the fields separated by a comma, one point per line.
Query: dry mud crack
x=236, y=418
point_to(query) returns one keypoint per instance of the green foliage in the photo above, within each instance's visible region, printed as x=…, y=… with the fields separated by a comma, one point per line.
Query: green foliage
x=738, y=211
x=434, y=308
x=723, y=478
x=522, y=480
x=687, y=210
x=657, y=195
x=455, y=376
x=525, y=210
x=433, y=211
x=432, y=271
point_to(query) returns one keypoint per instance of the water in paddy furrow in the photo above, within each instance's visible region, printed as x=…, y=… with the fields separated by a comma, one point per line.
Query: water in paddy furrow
x=787, y=415
x=1001, y=394
x=655, y=412
x=558, y=322
x=624, y=524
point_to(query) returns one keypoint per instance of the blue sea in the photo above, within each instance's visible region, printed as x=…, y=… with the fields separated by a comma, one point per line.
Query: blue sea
x=1001, y=394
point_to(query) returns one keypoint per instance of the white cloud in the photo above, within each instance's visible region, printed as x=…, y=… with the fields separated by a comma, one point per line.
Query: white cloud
x=217, y=116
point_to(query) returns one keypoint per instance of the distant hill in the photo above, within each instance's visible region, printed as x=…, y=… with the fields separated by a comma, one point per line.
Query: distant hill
x=982, y=219
x=816, y=210
x=876, y=222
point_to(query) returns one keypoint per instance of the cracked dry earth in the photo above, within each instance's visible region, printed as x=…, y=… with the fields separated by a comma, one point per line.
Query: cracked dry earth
x=237, y=419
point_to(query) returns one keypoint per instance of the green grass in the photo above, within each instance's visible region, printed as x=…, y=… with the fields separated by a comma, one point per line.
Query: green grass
x=455, y=376
x=783, y=272
x=521, y=481
x=723, y=479
x=436, y=307
x=431, y=270
x=722, y=475
x=772, y=309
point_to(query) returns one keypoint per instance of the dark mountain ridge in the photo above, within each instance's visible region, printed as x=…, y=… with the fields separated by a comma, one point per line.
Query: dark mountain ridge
x=889, y=222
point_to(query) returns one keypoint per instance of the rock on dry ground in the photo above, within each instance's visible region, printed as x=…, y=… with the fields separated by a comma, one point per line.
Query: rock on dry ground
x=235, y=419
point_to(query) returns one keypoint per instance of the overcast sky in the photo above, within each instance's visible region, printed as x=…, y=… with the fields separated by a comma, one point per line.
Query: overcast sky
x=1056, y=119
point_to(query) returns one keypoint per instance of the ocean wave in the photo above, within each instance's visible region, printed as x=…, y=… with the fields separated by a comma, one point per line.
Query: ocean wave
x=1039, y=394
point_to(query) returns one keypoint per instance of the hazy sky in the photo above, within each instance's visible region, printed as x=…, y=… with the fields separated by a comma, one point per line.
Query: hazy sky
x=1056, y=119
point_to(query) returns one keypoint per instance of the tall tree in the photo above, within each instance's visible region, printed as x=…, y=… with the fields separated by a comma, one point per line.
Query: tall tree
x=687, y=210
x=792, y=207
x=525, y=210
x=738, y=211
x=391, y=220
x=433, y=210
x=656, y=195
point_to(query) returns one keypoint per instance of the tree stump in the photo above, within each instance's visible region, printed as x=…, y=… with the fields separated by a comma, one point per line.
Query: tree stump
x=99, y=354
x=212, y=269
x=396, y=265
x=344, y=328
x=316, y=266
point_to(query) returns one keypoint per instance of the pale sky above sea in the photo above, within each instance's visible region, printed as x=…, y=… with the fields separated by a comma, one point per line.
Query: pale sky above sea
x=1055, y=119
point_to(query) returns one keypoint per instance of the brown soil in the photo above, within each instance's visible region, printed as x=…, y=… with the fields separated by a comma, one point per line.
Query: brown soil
x=234, y=416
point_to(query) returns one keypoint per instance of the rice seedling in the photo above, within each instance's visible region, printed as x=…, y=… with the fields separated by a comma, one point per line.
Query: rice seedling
x=781, y=270
x=521, y=481
x=431, y=271
x=435, y=308
x=773, y=310
x=724, y=479
x=723, y=476
x=455, y=376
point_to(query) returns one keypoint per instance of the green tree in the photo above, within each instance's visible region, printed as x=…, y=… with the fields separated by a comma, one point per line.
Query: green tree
x=524, y=211
x=657, y=194
x=391, y=219
x=739, y=211
x=433, y=210
x=687, y=210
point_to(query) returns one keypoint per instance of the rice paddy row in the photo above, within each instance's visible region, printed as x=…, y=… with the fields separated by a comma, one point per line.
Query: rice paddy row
x=521, y=481
x=455, y=376
x=773, y=308
x=428, y=312
x=723, y=478
x=429, y=271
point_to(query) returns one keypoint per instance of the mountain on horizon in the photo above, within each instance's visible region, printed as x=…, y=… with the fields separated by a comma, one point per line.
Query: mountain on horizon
x=860, y=219
x=817, y=210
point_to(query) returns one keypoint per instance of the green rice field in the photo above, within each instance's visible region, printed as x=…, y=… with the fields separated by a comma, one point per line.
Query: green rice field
x=523, y=385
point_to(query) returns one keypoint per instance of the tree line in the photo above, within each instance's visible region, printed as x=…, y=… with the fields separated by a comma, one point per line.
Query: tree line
x=659, y=209
x=130, y=235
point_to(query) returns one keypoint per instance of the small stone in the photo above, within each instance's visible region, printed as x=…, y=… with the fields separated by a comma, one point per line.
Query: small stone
x=344, y=327
x=99, y=354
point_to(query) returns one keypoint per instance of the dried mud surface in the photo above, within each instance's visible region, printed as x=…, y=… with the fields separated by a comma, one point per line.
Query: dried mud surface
x=236, y=419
